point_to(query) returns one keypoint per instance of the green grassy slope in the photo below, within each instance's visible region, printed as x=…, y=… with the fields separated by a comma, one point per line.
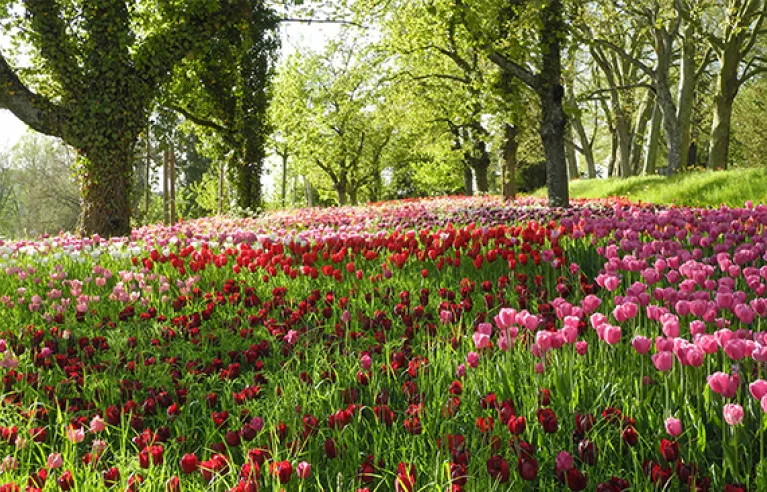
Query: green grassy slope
x=699, y=189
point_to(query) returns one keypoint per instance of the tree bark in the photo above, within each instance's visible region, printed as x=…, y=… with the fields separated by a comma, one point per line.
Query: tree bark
x=284, y=156
x=510, y=149
x=586, y=147
x=106, y=206
x=613, y=153
x=148, y=190
x=165, y=173
x=172, y=187
x=221, y=182
x=640, y=128
x=663, y=49
x=551, y=94
x=480, y=164
x=653, y=140
x=686, y=92
x=468, y=180
x=726, y=88
x=572, y=159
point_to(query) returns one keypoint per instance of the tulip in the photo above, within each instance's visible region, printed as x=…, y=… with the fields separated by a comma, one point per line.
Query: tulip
x=733, y=413
x=673, y=426
x=303, y=470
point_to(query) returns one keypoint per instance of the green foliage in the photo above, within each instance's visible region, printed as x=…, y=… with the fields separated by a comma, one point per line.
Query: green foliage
x=38, y=194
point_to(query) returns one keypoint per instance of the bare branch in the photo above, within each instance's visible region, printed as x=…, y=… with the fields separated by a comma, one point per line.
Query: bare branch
x=515, y=70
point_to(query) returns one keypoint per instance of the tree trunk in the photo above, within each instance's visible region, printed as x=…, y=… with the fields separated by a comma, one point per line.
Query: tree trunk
x=726, y=88
x=221, y=180
x=148, y=170
x=623, y=135
x=551, y=94
x=284, y=176
x=640, y=128
x=165, y=173
x=342, y=186
x=480, y=164
x=585, y=144
x=353, y=195
x=106, y=191
x=686, y=93
x=172, y=187
x=510, y=149
x=572, y=159
x=309, y=192
x=613, y=152
x=653, y=140
x=468, y=180
x=663, y=49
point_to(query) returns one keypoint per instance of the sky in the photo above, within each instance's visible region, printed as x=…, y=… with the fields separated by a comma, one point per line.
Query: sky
x=295, y=36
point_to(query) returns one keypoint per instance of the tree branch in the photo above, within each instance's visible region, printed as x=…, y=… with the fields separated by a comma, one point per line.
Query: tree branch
x=323, y=21
x=196, y=119
x=38, y=112
x=515, y=70
x=622, y=53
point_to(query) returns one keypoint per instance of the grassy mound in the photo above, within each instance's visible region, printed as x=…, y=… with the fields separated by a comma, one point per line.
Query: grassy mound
x=696, y=189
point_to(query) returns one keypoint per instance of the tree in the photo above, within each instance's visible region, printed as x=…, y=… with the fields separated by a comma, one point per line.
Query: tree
x=442, y=65
x=337, y=124
x=508, y=31
x=733, y=30
x=226, y=89
x=102, y=64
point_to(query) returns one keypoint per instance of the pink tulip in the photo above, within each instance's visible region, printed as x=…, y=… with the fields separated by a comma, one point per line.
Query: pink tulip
x=581, y=347
x=366, y=362
x=472, y=359
x=54, y=461
x=303, y=470
x=641, y=344
x=673, y=426
x=758, y=388
x=590, y=303
x=764, y=403
x=733, y=413
x=663, y=361
x=724, y=384
x=505, y=318
x=612, y=334
x=97, y=424
x=75, y=435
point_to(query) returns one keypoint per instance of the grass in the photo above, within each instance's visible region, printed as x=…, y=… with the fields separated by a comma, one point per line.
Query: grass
x=695, y=189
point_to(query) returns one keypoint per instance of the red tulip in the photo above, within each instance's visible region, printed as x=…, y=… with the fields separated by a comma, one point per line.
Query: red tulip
x=669, y=450
x=111, y=476
x=528, y=468
x=405, y=479
x=498, y=469
x=189, y=463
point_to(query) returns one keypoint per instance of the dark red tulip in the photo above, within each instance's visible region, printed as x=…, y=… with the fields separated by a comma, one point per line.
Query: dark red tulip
x=283, y=470
x=669, y=450
x=498, y=468
x=528, y=468
x=66, y=481
x=587, y=452
x=576, y=480
x=630, y=436
x=111, y=476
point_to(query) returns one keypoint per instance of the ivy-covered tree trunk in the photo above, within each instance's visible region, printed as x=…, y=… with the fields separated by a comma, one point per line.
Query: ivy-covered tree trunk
x=106, y=190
